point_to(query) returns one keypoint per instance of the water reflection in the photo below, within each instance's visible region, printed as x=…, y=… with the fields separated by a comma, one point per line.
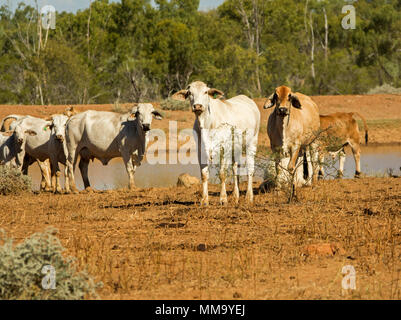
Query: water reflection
x=374, y=161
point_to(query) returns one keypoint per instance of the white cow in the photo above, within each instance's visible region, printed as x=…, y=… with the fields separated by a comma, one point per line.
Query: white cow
x=57, y=149
x=35, y=146
x=240, y=113
x=12, y=147
x=106, y=135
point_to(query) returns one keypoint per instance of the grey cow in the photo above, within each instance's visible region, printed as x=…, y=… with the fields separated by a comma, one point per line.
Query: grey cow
x=106, y=135
x=57, y=150
x=28, y=123
x=12, y=147
x=49, y=143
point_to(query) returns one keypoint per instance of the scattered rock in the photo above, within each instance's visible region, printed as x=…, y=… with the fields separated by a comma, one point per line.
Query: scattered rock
x=237, y=295
x=201, y=247
x=369, y=212
x=186, y=180
x=323, y=249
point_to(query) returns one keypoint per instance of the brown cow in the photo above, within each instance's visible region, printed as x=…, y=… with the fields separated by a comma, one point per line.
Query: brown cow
x=339, y=130
x=292, y=127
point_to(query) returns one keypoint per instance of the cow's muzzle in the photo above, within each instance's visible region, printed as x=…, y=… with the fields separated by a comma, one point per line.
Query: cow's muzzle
x=197, y=108
x=145, y=127
x=20, y=140
x=283, y=111
x=60, y=138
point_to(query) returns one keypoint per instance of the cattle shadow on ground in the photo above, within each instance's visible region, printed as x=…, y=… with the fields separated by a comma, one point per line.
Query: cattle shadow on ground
x=256, y=191
x=147, y=203
x=171, y=225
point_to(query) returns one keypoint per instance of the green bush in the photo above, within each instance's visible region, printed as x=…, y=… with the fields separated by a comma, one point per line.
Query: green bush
x=21, y=270
x=385, y=89
x=171, y=104
x=12, y=181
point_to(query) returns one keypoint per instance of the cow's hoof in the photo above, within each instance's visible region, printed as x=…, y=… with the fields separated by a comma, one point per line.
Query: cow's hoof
x=357, y=175
x=205, y=202
x=89, y=190
x=249, y=200
x=74, y=191
x=58, y=191
x=223, y=201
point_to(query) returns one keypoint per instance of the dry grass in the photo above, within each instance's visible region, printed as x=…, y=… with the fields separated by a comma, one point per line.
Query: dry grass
x=159, y=244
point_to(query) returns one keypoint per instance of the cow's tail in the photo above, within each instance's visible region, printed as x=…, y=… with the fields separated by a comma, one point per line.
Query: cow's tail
x=365, y=125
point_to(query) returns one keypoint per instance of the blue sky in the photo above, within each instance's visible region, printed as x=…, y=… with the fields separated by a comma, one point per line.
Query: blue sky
x=74, y=5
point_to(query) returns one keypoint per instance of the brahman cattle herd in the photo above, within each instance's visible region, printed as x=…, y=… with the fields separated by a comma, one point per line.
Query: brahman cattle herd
x=299, y=137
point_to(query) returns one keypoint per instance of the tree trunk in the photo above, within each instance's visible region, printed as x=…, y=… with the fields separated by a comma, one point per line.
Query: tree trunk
x=312, y=48
x=326, y=39
x=88, y=28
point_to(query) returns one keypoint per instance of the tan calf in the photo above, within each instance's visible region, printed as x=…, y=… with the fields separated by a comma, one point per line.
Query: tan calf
x=339, y=130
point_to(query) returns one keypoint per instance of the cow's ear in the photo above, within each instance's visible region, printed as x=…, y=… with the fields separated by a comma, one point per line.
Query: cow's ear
x=8, y=133
x=215, y=93
x=157, y=115
x=295, y=101
x=133, y=112
x=30, y=133
x=271, y=101
x=48, y=126
x=181, y=95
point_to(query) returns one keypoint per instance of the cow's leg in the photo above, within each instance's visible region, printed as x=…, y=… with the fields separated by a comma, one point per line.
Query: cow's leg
x=67, y=180
x=25, y=165
x=55, y=173
x=236, y=182
x=205, y=191
x=314, y=159
x=129, y=166
x=203, y=159
x=83, y=167
x=293, y=159
x=222, y=176
x=342, y=157
x=250, y=165
x=291, y=167
x=58, y=185
x=70, y=164
x=45, y=171
x=321, y=166
x=356, y=151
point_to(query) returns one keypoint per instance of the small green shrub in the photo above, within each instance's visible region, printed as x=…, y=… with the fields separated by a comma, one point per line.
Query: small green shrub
x=21, y=270
x=385, y=89
x=12, y=181
x=175, y=105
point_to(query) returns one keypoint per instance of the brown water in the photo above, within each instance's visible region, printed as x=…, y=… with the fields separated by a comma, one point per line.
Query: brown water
x=375, y=161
